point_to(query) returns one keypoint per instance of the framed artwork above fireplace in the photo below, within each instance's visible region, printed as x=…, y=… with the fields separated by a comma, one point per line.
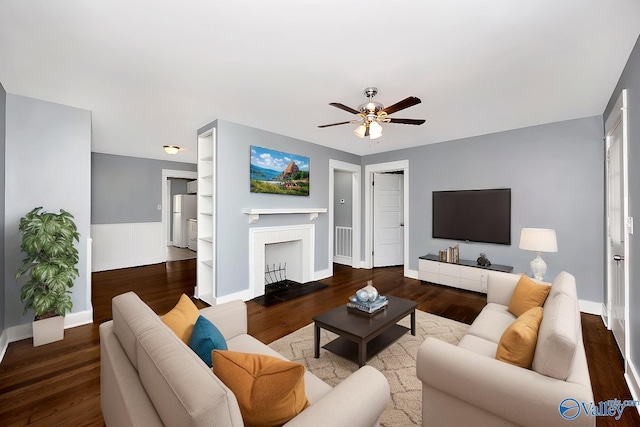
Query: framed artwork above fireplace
x=276, y=172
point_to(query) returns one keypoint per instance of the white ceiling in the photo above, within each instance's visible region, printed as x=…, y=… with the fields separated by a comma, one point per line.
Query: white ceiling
x=154, y=71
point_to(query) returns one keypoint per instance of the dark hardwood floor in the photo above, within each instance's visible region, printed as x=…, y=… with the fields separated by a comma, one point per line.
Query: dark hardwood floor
x=59, y=384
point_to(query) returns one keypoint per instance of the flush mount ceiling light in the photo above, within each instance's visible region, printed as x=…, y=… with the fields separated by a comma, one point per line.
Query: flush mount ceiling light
x=371, y=114
x=171, y=149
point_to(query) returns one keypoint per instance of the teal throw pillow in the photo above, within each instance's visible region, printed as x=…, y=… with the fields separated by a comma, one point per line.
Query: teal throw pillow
x=205, y=338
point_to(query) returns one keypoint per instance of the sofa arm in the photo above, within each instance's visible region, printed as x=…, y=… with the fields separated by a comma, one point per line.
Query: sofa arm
x=230, y=318
x=358, y=401
x=518, y=395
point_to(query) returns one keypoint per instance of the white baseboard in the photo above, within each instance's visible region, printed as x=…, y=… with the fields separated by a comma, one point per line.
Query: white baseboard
x=342, y=260
x=242, y=295
x=4, y=344
x=590, y=307
x=412, y=274
x=24, y=331
x=633, y=382
x=126, y=245
x=322, y=274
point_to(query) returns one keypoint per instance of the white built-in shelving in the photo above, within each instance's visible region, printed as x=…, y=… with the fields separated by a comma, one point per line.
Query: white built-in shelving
x=206, y=274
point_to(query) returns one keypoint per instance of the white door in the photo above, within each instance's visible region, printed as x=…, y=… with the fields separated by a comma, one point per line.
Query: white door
x=618, y=223
x=388, y=219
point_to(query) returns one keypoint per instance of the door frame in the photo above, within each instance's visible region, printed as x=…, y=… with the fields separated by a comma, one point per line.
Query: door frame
x=618, y=117
x=369, y=170
x=356, y=194
x=166, y=195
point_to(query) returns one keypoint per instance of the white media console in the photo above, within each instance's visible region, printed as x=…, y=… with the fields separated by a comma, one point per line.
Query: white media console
x=464, y=275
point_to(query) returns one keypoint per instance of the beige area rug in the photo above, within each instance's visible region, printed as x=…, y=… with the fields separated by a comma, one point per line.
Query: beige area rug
x=397, y=362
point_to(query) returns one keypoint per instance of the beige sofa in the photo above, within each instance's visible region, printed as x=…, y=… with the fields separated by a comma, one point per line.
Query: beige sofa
x=149, y=377
x=466, y=385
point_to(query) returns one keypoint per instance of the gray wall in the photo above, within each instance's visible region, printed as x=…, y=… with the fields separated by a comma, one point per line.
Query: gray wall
x=48, y=161
x=630, y=80
x=555, y=172
x=3, y=119
x=233, y=195
x=128, y=189
x=342, y=190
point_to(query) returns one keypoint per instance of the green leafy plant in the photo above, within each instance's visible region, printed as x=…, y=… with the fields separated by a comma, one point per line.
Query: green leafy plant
x=47, y=240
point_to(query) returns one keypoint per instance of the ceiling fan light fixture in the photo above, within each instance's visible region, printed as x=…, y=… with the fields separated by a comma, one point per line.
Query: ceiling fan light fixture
x=360, y=130
x=375, y=130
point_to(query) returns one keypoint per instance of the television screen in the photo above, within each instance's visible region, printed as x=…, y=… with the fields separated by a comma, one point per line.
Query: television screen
x=473, y=215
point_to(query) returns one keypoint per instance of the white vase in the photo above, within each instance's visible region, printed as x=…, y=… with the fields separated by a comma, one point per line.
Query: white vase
x=48, y=330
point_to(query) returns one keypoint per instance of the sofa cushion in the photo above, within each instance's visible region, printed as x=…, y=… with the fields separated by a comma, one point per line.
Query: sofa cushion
x=184, y=391
x=557, y=338
x=269, y=390
x=490, y=324
x=526, y=295
x=564, y=283
x=518, y=342
x=205, y=338
x=182, y=317
x=478, y=345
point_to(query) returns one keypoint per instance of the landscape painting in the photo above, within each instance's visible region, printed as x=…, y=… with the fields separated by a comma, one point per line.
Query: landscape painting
x=278, y=173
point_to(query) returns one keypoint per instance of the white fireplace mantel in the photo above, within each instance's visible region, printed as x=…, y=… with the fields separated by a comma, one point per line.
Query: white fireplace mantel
x=254, y=214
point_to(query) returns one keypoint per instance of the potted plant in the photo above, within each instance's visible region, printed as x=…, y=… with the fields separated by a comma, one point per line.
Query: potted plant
x=47, y=240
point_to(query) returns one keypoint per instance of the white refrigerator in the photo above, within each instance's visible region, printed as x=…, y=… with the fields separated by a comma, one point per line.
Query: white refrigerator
x=184, y=208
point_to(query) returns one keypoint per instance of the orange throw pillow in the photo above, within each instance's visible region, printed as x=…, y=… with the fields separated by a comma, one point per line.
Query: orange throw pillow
x=518, y=342
x=526, y=295
x=182, y=318
x=269, y=390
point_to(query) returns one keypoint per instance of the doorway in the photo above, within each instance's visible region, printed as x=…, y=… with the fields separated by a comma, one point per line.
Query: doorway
x=395, y=199
x=167, y=176
x=618, y=224
x=353, y=173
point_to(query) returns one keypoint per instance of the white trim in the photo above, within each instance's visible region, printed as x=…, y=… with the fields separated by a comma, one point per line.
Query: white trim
x=617, y=117
x=24, y=331
x=126, y=245
x=242, y=295
x=343, y=260
x=369, y=170
x=356, y=217
x=412, y=274
x=166, y=194
x=633, y=381
x=261, y=236
x=4, y=344
x=80, y=318
x=323, y=274
x=254, y=214
x=590, y=307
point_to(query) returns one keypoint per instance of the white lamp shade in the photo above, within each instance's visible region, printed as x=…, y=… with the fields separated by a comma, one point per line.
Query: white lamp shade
x=360, y=131
x=375, y=130
x=538, y=240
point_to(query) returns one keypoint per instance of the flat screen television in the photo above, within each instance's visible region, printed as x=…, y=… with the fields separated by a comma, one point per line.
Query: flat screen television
x=473, y=215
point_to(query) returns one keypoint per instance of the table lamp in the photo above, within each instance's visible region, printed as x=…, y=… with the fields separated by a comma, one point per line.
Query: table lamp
x=538, y=240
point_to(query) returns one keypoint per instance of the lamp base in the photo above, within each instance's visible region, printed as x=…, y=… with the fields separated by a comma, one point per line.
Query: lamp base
x=538, y=267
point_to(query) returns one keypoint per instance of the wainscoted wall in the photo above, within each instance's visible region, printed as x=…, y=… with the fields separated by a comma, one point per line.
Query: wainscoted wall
x=126, y=245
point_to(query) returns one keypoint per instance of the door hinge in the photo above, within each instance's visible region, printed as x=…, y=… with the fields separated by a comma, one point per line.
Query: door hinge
x=371, y=253
x=629, y=225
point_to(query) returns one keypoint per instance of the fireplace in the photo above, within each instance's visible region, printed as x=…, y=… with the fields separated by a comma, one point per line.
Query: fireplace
x=276, y=246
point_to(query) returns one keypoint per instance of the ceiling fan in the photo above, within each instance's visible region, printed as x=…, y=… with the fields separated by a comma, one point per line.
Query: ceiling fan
x=371, y=114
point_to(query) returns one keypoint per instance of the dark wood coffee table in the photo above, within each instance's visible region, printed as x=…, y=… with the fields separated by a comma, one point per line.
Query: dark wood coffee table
x=361, y=336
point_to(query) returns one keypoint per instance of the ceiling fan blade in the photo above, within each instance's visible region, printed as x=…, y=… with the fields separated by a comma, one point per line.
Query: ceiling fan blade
x=405, y=103
x=406, y=121
x=336, y=124
x=344, y=107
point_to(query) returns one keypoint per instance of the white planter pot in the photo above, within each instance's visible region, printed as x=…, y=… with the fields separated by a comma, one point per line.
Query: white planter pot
x=49, y=330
